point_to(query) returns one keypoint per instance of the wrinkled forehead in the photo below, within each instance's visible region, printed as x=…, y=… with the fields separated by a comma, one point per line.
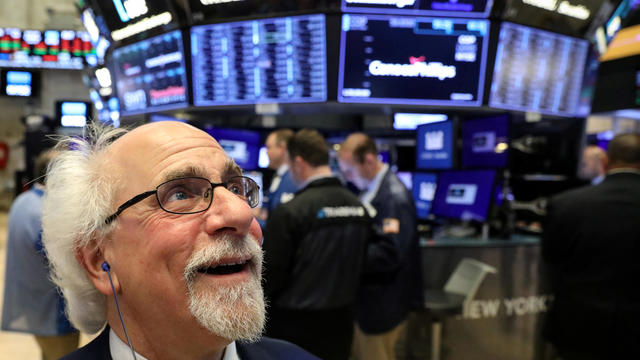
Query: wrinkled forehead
x=154, y=152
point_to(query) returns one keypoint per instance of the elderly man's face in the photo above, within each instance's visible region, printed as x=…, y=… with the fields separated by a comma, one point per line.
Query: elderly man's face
x=182, y=274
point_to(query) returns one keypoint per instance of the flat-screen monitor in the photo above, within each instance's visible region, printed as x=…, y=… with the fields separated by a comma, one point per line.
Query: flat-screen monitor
x=150, y=75
x=485, y=142
x=464, y=195
x=571, y=17
x=204, y=10
x=242, y=146
x=537, y=71
x=410, y=121
x=263, y=158
x=275, y=60
x=19, y=83
x=127, y=18
x=49, y=49
x=71, y=113
x=434, y=146
x=464, y=8
x=423, y=189
x=387, y=59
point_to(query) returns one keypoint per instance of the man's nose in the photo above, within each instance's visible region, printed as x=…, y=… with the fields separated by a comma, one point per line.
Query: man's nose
x=228, y=212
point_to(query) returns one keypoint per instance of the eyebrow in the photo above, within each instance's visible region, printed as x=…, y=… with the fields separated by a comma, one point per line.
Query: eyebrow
x=191, y=170
x=231, y=169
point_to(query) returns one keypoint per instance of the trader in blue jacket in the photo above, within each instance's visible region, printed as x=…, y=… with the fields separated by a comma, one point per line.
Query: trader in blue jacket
x=152, y=240
x=393, y=284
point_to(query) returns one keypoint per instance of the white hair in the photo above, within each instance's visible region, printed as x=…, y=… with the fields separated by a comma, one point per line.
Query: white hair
x=79, y=193
x=237, y=311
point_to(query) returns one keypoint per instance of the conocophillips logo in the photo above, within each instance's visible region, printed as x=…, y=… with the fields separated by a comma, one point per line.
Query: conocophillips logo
x=417, y=67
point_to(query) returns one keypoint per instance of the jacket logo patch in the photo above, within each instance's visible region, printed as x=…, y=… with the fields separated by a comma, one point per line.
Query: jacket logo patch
x=341, y=212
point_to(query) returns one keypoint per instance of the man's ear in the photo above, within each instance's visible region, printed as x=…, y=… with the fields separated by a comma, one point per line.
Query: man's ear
x=92, y=259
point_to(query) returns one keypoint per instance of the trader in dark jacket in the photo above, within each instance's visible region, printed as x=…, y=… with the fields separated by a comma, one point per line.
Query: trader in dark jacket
x=314, y=254
x=592, y=244
x=393, y=283
x=151, y=238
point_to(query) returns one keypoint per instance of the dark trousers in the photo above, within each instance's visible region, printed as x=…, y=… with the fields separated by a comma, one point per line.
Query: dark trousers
x=325, y=333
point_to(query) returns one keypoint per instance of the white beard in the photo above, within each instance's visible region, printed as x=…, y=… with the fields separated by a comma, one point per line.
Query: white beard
x=234, y=312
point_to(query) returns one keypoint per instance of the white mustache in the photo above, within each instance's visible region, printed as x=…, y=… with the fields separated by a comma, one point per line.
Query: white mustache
x=223, y=247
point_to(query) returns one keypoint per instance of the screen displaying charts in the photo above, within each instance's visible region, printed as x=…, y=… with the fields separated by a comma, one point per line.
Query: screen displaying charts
x=276, y=60
x=151, y=74
x=411, y=60
x=466, y=8
x=537, y=71
x=52, y=49
x=464, y=195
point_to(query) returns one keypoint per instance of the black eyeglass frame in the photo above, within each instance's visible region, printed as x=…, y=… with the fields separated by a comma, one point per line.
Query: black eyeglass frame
x=136, y=199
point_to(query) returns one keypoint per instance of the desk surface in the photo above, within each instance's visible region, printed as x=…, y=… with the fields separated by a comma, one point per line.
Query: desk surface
x=515, y=240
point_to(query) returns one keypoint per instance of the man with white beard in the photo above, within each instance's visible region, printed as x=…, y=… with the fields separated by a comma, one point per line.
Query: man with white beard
x=150, y=232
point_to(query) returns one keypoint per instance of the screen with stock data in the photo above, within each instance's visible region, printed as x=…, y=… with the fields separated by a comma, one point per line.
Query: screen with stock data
x=151, y=74
x=412, y=60
x=466, y=8
x=537, y=71
x=275, y=60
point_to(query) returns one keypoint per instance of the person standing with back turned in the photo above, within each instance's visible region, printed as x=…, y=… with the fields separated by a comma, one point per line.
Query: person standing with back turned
x=314, y=255
x=591, y=244
x=389, y=293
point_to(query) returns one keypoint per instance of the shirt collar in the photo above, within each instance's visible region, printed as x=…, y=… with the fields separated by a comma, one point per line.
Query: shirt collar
x=282, y=169
x=121, y=351
x=312, y=179
x=374, y=185
x=624, y=170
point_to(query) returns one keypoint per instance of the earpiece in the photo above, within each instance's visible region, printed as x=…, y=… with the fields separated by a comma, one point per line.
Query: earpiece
x=105, y=266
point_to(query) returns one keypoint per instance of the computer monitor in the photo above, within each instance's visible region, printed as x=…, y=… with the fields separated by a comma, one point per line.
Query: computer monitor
x=485, y=142
x=434, y=146
x=537, y=71
x=464, y=195
x=150, y=74
x=465, y=8
x=19, y=83
x=387, y=59
x=242, y=146
x=273, y=60
x=71, y=113
x=406, y=177
x=423, y=190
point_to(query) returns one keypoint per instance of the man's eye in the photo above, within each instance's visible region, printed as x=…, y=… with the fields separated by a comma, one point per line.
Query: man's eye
x=236, y=189
x=178, y=195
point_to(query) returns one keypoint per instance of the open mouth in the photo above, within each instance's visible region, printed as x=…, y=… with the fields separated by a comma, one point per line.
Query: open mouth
x=225, y=268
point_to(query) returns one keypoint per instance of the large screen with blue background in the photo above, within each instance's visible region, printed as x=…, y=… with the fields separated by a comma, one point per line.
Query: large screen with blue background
x=464, y=195
x=412, y=60
x=434, y=146
x=424, y=188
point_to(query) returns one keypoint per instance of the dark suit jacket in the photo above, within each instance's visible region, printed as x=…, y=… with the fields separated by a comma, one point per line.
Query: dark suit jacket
x=393, y=281
x=265, y=349
x=591, y=243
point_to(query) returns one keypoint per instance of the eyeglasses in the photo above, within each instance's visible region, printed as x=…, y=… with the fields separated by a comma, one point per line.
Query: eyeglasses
x=190, y=195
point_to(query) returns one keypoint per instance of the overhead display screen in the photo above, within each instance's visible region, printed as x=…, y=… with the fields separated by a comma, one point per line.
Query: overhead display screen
x=150, y=75
x=126, y=18
x=411, y=60
x=52, y=49
x=465, y=8
x=279, y=60
x=537, y=71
